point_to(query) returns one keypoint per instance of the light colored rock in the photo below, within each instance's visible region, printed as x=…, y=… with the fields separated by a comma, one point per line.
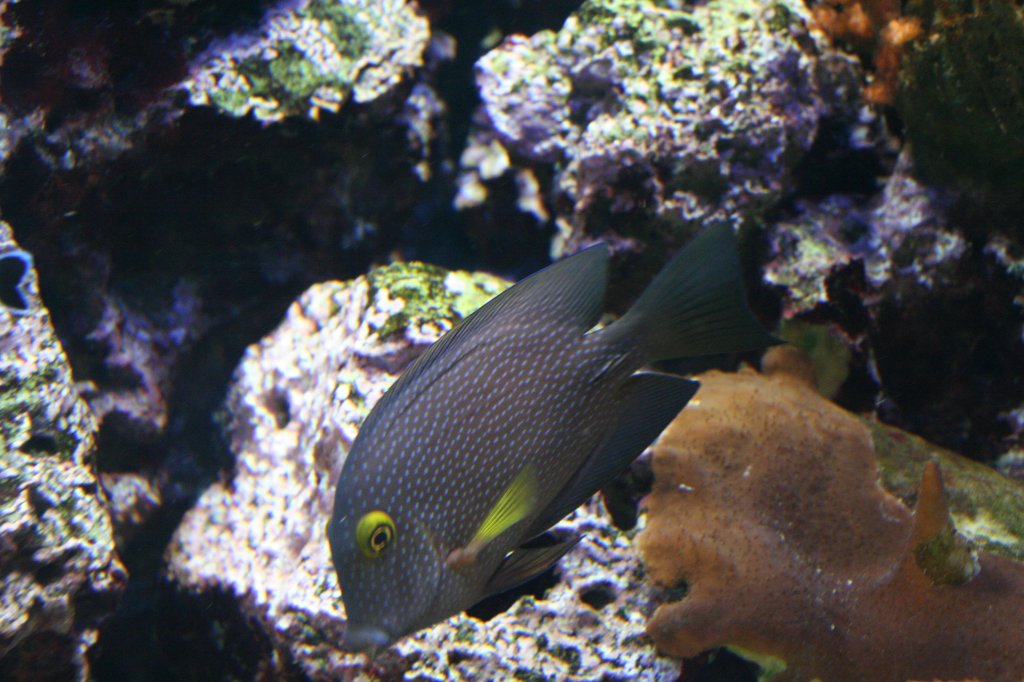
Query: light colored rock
x=311, y=56
x=59, y=574
x=672, y=118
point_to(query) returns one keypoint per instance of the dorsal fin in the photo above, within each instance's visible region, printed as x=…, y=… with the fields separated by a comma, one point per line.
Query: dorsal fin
x=571, y=290
x=695, y=306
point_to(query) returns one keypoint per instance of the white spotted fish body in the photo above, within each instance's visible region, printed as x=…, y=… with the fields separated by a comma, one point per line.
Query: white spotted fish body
x=508, y=423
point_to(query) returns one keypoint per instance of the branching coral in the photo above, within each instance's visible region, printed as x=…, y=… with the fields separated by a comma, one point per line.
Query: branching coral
x=769, y=515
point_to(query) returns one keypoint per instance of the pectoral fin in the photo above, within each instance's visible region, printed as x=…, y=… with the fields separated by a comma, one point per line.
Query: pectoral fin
x=512, y=507
x=523, y=564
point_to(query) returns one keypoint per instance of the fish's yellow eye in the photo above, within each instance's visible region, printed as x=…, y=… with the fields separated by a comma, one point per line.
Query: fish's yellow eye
x=374, y=533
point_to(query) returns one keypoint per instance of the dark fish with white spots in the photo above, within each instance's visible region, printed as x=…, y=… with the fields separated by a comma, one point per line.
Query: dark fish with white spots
x=511, y=421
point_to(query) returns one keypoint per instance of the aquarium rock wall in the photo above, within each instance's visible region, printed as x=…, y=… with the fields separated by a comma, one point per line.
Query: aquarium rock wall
x=227, y=227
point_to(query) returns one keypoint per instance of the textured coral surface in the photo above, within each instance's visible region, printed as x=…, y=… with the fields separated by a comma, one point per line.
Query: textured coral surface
x=768, y=511
x=655, y=116
x=59, y=575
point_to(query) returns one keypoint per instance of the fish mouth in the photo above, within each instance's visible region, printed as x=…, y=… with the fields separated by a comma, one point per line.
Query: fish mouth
x=367, y=639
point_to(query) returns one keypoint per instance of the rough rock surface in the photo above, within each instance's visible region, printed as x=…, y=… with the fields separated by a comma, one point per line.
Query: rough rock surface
x=298, y=398
x=312, y=55
x=59, y=574
x=649, y=115
x=801, y=552
x=902, y=238
x=907, y=278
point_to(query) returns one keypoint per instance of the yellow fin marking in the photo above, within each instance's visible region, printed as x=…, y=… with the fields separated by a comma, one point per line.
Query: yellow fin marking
x=511, y=508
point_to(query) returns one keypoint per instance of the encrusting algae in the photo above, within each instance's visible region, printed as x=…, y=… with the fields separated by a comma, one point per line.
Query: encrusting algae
x=769, y=515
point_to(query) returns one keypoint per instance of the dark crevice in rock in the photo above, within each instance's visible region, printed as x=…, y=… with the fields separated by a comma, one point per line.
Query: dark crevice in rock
x=74, y=59
x=277, y=404
x=719, y=665
x=509, y=244
x=950, y=357
x=40, y=443
x=42, y=657
x=478, y=27
x=622, y=496
x=39, y=502
x=599, y=596
x=836, y=165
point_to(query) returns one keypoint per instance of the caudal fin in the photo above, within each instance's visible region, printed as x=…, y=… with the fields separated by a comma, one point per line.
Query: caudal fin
x=696, y=304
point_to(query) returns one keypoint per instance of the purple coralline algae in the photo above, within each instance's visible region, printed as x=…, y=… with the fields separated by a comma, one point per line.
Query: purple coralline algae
x=59, y=574
x=141, y=354
x=311, y=56
x=259, y=536
x=901, y=235
x=81, y=83
x=680, y=116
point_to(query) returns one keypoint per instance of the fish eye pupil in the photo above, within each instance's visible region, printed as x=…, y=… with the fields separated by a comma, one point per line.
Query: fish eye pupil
x=381, y=537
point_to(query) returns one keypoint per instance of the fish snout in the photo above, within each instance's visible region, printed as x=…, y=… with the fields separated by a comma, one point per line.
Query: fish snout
x=365, y=639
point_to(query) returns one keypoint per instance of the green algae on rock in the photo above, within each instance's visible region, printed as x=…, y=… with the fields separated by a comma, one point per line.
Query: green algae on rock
x=962, y=95
x=61, y=575
x=313, y=57
x=416, y=294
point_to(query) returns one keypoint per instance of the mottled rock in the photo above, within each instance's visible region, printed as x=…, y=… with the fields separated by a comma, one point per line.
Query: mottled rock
x=59, y=574
x=780, y=525
x=928, y=302
x=311, y=56
x=258, y=537
x=141, y=352
x=81, y=83
x=902, y=238
x=666, y=117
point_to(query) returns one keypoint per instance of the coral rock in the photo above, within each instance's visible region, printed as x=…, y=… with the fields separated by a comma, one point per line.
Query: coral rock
x=312, y=56
x=59, y=574
x=769, y=510
x=682, y=116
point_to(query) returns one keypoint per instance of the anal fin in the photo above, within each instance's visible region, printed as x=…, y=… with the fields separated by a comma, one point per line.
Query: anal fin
x=649, y=402
x=523, y=564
